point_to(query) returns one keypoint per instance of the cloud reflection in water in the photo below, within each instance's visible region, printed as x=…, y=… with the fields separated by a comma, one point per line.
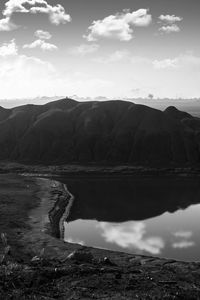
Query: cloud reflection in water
x=131, y=235
x=183, y=244
x=183, y=234
x=74, y=241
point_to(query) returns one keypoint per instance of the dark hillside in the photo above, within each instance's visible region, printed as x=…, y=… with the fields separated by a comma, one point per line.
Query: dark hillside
x=67, y=131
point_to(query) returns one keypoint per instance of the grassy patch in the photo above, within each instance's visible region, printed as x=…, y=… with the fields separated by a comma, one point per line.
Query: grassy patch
x=17, y=197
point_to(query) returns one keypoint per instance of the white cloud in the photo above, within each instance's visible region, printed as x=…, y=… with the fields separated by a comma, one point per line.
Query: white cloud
x=12, y=6
x=43, y=35
x=165, y=63
x=84, y=49
x=170, y=28
x=131, y=235
x=140, y=60
x=169, y=23
x=188, y=62
x=183, y=244
x=170, y=18
x=81, y=85
x=116, y=56
x=41, y=44
x=56, y=13
x=7, y=25
x=123, y=55
x=119, y=26
x=24, y=76
x=8, y=49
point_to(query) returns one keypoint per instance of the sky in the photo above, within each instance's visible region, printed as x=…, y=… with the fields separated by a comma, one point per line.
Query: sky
x=129, y=48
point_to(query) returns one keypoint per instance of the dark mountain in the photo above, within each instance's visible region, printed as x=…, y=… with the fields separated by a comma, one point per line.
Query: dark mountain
x=67, y=131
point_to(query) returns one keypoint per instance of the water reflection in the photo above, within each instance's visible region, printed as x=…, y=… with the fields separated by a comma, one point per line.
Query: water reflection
x=148, y=216
x=183, y=244
x=131, y=235
x=115, y=200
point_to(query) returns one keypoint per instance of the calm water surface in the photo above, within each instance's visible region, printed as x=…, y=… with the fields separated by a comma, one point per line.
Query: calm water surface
x=158, y=217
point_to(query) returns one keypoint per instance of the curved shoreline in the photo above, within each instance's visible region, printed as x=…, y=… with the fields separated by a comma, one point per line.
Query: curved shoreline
x=109, y=275
x=63, y=201
x=46, y=221
x=58, y=201
x=66, y=212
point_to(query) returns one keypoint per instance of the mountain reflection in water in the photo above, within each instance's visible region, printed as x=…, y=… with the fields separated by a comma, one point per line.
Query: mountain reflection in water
x=145, y=216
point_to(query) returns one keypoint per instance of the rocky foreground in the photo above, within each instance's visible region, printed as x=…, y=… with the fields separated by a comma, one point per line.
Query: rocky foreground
x=36, y=265
x=95, y=274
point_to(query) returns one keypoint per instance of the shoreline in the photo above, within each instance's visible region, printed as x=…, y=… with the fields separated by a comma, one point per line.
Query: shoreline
x=58, y=201
x=77, y=170
x=66, y=212
x=43, y=234
x=60, y=209
x=72, y=271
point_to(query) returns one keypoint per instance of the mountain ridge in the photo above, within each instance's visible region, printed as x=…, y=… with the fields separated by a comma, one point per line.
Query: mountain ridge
x=116, y=131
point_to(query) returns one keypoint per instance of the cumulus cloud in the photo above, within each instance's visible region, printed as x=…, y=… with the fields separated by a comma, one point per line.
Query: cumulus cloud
x=140, y=60
x=8, y=49
x=84, y=49
x=7, y=25
x=22, y=76
x=186, y=61
x=41, y=42
x=170, y=18
x=116, y=56
x=170, y=28
x=56, y=13
x=131, y=235
x=43, y=35
x=189, y=59
x=42, y=45
x=169, y=23
x=119, y=26
x=165, y=63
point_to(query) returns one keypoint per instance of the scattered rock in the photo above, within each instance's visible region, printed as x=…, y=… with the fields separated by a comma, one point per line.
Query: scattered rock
x=108, y=262
x=81, y=256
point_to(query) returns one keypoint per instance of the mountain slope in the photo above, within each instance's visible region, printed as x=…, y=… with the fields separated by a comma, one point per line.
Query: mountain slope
x=67, y=131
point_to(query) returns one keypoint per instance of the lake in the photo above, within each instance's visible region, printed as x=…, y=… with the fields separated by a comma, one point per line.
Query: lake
x=148, y=216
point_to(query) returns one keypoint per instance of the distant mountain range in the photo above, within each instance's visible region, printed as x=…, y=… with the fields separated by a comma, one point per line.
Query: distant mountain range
x=106, y=132
x=192, y=106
